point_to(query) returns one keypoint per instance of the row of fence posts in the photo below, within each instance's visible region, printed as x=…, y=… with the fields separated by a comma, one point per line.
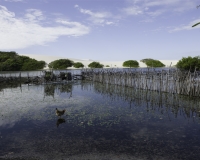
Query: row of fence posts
x=171, y=81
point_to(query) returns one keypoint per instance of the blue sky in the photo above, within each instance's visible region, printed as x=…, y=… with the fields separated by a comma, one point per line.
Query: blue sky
x=104, y=30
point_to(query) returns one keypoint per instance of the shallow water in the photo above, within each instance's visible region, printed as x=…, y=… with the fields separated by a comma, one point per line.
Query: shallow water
x=101, y=122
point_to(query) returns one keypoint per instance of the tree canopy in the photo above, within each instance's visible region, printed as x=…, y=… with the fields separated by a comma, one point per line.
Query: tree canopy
x=189, y=63
x=131, y=63
x=145, y=60
x=78, y=65
x=152, y=62
x=11, y=61
x=95, y=65
x=60, y=64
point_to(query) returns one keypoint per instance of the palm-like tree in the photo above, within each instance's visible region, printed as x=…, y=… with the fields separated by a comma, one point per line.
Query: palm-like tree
x=198, y=22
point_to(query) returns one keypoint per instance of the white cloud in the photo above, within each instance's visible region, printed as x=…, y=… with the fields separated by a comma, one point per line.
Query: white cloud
x=156, y=13
x=158, y=7
x=34, y=15
x=153, y=3
x=23, y=32
x=186, y=27
x=98, y=18
x=134, y=10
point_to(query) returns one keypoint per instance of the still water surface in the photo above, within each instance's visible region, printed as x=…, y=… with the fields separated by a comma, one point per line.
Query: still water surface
x=101, y=122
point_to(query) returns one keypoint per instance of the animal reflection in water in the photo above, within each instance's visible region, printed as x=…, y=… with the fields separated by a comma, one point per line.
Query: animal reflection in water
x=60, y=121
x=59, y=113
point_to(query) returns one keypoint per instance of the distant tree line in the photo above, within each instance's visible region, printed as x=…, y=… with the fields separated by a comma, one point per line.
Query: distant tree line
x=11, y=61
x=189, y=63
x=64, y=64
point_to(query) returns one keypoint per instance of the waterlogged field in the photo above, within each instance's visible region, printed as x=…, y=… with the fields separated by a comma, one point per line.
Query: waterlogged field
x=101, y=122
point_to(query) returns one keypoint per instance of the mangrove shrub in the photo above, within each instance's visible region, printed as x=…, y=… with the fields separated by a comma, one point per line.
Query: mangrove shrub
x=95, y=65
x=189, y=63
x=60, y=64
x=11, y=61
x=78, y=65
x=131, y=63
x=152, y=62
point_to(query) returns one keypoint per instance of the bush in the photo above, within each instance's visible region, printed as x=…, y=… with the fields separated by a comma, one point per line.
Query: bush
x=11, y=61
x=95, y=65
x=189, y=63
x=145, y=60
x=61, y=64
x=131, y=63
x=78, y=65
x=152, y=62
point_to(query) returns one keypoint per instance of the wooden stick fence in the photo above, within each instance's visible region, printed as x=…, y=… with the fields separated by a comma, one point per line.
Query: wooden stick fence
x=171, y=81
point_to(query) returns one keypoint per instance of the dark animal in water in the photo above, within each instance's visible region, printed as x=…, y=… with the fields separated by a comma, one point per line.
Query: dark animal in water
x=60, y=112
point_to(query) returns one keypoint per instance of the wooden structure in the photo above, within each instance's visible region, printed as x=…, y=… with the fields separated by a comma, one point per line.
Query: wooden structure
x=171, y=80
x=160, y=80
x=44, y=77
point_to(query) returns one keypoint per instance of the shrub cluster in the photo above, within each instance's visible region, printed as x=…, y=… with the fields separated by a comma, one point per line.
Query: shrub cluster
x=11, y=61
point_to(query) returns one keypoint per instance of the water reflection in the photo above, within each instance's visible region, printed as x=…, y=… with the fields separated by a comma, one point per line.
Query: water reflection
x=9, y=85
x=60, y=121
x=51, y=89
x=163, y=102
x=103, y=122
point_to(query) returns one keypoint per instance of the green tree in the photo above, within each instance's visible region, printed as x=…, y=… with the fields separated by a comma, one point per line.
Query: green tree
x=78, y=65
x=32, y=64
x=189, y=63
x=95, y=65
x=11, y=61
x=61, y=64
x=131, y=63
x=152, y=62
x=145, y=60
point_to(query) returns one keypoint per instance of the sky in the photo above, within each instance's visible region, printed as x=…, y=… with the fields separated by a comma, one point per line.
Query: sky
x=102, y=30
